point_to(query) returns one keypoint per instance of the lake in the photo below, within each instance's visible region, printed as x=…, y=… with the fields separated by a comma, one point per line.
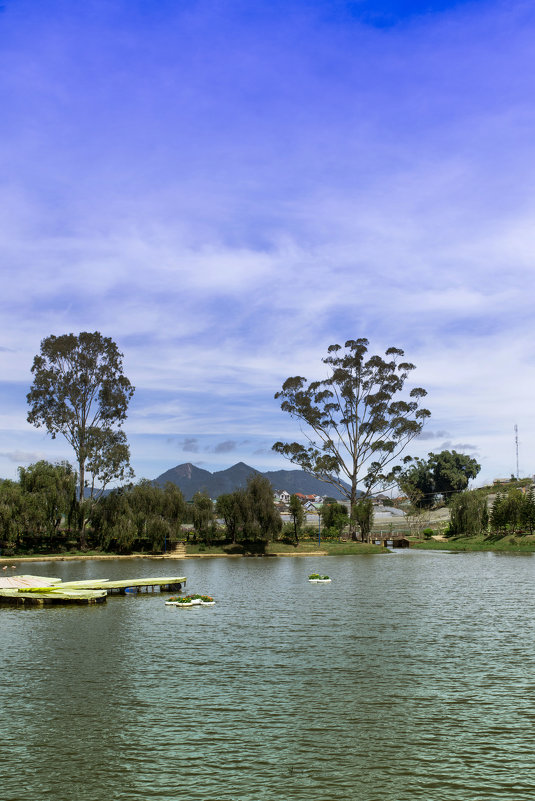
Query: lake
x=410, y=676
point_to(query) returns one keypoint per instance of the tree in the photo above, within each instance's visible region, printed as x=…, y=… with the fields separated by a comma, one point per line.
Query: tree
x=297, y=513
x=140, y=515
x=203, y=515
x=452, y=471
x=356, y=421
x=527, y=512
x=51, y=488
x=444, y=473
x=468, y=514
x=231, y=507
x=108, y=459
x=263, y=520
x=417, y=483
x=334, y=517
x=363, y=515
x=11, y=503
x=80, y=392
x=498, y=514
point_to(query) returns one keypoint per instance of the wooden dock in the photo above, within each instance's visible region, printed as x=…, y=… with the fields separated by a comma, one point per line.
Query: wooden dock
x=41, y=590
x=162, y=584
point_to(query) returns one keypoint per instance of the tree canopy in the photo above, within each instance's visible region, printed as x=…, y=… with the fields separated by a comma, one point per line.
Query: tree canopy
x=297, y=515
x=334, y=517
x=79, y=391
x=357, y=421
x=250, y=515
x=442, y=474
x=138, y=516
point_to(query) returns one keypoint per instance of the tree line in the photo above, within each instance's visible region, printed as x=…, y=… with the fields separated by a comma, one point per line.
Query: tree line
x=512, y=512
x=42, y=512
x=357, y=423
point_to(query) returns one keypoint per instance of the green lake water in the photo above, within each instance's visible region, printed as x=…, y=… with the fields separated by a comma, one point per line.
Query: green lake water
x=410, y=676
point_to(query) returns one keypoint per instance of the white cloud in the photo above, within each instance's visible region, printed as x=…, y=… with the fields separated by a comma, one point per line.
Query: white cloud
x=380, y=190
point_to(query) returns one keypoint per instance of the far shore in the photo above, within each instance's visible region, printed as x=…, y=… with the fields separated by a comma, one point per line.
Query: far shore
x=503, y=544
x=85, y=557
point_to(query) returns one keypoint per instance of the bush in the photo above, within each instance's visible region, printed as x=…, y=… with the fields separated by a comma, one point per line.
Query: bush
x=428, y=532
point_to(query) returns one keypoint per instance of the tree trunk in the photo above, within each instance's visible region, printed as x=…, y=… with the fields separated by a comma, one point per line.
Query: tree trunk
x=352, y=502
x=81, y=515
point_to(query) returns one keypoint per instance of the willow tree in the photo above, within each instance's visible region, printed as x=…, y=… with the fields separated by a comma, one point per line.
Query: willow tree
x=357, y=421
x=80, y=392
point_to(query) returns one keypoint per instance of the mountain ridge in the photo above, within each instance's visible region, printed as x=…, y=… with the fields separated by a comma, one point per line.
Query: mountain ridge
x=191, y=479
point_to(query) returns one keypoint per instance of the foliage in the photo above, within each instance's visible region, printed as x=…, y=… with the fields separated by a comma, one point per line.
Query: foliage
x=231, y=507
x=513, y=510
x=250, y=514
x=356, y=421
x=417, y=519
x=528, y=511
x=362, y=513
x=297, y=514
x=468, y=514
x=80, y=392
x=10, y=514
x=263, y=520
x=33, y=509
x=334, y=517
x=141, y=516
x=108, y=459
x=444, y=473
x=203, y=516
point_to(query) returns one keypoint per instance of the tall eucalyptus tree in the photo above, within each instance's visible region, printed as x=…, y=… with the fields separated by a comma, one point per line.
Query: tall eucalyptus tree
x=79, y=391
x=356, y=421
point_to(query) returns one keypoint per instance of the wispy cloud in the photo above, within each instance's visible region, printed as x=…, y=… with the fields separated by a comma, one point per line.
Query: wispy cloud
x=225, y=221
x=225, y=447
x=22, y=457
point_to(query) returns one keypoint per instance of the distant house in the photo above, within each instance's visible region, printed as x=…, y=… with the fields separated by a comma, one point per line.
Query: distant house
x=401, y=500
x=284, y=497
x=380, y=500
x=307, y=498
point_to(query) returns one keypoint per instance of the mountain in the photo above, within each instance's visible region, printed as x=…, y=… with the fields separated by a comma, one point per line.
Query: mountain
x=191, y=479
x=187, y=477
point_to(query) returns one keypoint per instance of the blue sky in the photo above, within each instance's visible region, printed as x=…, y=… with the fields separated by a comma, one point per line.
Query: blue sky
x=226, y=188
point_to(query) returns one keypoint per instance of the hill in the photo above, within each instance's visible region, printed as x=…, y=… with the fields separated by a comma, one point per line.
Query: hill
x=191, y=479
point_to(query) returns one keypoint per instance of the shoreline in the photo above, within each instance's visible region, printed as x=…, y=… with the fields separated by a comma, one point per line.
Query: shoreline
x=84, y=557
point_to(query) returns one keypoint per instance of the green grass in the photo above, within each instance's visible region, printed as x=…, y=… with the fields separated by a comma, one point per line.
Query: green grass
x=62, y=555
x=332, y=547
x=509, y=543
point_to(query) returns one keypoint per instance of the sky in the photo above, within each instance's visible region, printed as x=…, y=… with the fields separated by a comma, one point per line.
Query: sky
x=227, y=187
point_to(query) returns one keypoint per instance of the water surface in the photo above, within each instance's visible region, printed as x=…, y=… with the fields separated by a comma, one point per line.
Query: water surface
x=410, y=676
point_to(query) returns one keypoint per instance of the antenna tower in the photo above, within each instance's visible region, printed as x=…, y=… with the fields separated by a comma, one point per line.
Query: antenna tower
x=516, y=446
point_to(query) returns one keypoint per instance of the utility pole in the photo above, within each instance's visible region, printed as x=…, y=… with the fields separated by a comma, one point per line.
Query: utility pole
x=516, y=446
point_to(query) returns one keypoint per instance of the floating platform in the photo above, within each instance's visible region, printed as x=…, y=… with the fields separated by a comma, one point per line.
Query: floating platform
x=41, y=590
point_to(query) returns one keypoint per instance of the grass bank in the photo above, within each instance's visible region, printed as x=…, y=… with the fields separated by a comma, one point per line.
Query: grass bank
x=509, y=543
x=327, y=547
x=305, y=548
